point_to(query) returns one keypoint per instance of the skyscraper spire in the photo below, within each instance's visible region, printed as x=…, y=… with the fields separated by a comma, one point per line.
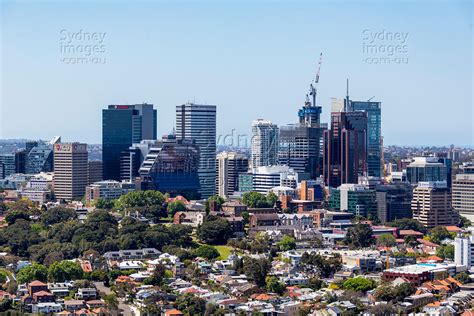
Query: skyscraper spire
x=347, y=101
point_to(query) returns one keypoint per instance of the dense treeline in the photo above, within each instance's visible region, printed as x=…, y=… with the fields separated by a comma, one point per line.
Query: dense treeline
x=48, y=236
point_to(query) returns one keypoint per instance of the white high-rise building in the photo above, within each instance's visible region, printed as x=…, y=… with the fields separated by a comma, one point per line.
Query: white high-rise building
x=198, y=122
x=464, y=250
x=267, y=177
x=264, y=144
x=463, y=193
x=229, y=165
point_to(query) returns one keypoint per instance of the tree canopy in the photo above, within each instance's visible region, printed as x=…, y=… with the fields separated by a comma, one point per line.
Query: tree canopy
x=215, y=231
x=359, y=284
x=359, y=236
x=258, y=200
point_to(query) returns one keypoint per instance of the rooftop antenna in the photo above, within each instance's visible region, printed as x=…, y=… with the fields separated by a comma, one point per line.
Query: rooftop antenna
x=370, y=99
x=313, y=87
x=346, y=104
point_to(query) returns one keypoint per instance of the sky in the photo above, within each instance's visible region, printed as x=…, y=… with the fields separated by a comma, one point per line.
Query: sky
x=63, y=62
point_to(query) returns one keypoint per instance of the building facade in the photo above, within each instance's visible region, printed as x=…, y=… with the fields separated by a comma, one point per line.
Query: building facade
x=345, y=148
x=463, y=193
x=172, y=166
x=229, y=165
x=374, y=135
x=426, y=169
x=264, y=144
x=431, y=204
x=300, y=148
x=94, y=171
x=123, y=125
x=70, y=170
x=9, y=164
x=354, y=198
x=107, y=190
x=197, y=122
x=393, y=201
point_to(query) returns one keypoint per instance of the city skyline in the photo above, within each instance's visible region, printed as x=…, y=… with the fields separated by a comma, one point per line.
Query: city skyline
x=246, y=76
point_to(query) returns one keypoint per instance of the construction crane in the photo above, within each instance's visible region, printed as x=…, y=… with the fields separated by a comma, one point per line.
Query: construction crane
x=313, y=87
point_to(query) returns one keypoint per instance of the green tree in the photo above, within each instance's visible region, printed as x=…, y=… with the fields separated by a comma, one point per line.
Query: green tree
x=464, y=222
x=104, y=204
x=206, y=251
x=157, y=277
x=190, y=304
x=271, y=198
x=386, y=240
x=359, y=236
x=287, y=243
x=175, y=206
x=64, y=271
x=57, y=214
x=408, y=224
x=359, y=284
x=314, y=263
x=273, y=285
x=30, y=273
x=463, y=277
x=255, y=200
x=111, y=302
x=214, y=199
x=215, y=231
x=257, y=269
x=445, y=251
x=13, y=215
x=438, y=234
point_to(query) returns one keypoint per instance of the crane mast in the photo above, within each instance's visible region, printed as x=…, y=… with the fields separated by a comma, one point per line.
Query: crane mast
x=313, y=87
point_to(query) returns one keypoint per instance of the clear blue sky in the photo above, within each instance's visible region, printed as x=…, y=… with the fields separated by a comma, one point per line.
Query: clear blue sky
x=252, y=59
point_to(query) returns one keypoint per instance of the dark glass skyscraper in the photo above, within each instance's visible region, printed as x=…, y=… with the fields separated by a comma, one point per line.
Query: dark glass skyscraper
x=374, y=135
x=345, y=148
x=171, y=166
x=123, y=125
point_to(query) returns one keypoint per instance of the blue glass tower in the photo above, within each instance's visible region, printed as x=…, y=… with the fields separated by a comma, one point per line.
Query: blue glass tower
x=122, y=126
x=374, y=135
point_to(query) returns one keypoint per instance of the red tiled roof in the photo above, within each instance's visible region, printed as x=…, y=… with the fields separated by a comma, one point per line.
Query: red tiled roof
x=37, y=283
x=409, y=232
x=43, y=293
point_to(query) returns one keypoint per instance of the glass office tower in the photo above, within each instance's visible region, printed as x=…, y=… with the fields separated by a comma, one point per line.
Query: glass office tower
x=374, y=135
x=197, y=122
x=122, y=126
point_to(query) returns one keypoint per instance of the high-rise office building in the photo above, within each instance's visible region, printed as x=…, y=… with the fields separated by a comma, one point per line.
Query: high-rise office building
x=431, y=204
x=95, y=171
x=267, y=177
x=70, y=170
x=20, y=161
x=393, y=201
x=40, y=156
x=123, y=125
x=345, y=148
x=374, y=135
x=9, y=165
x=229, y=165
x=264, y=144
x=132, y=159
x=300, y=145
x=198, y=122
x=464, y=251
x=426, y=169
x=171, y=166
x=354, y=198
x=463, y=193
